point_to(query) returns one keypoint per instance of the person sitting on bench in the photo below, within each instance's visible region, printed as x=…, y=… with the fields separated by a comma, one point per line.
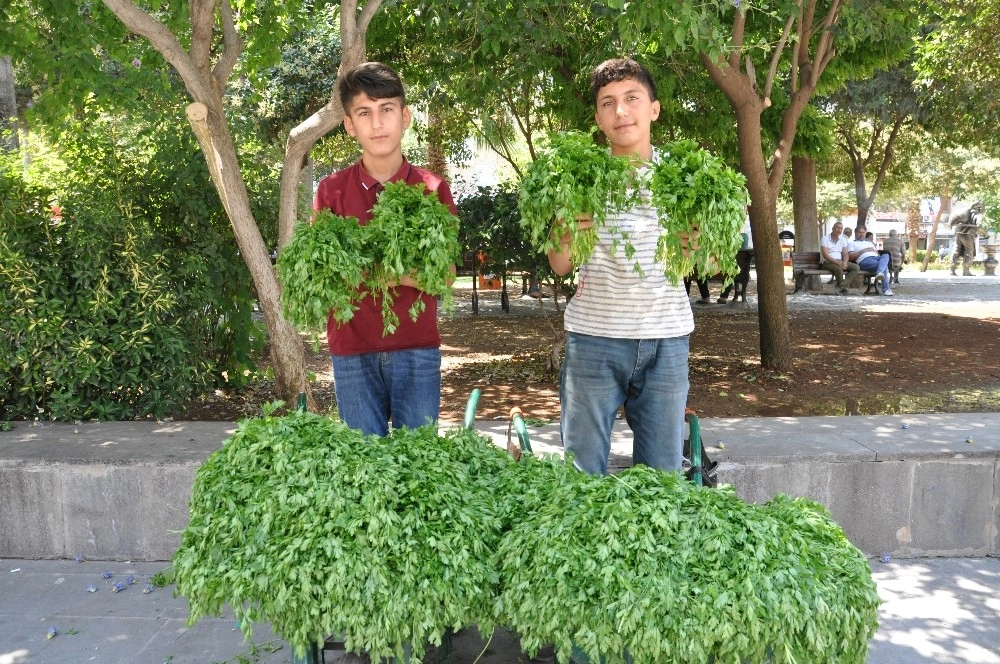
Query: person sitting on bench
x=834, y=256
x=867, y=257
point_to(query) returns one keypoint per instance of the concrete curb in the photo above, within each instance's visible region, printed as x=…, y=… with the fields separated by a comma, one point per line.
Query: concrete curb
x=120, y=490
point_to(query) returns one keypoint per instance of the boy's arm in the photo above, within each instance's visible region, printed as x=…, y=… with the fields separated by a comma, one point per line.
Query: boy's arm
x=559, y=259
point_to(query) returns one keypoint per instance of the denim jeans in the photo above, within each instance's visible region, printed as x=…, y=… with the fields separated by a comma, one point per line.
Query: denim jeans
x=648, y=376
x=403, y=386
x=878, y=265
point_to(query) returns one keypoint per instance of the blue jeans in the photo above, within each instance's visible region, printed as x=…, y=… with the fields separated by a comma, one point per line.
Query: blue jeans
x=373, y=388
x=878, y=265
x=650, y=376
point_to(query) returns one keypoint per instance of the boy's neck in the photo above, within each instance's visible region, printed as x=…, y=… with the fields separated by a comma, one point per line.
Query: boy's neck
x=638, y=156
x=382, y=168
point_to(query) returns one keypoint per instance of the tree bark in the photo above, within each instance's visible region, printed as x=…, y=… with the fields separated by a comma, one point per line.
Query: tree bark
x=772, y=309
x=913, y=228
x=436, y=160
x=208, y=120
x=807, y=223
x=932, y=237
x=8, y=106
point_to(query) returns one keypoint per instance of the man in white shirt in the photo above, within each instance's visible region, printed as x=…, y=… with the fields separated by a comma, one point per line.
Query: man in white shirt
x=834, y=255
x=867, y=257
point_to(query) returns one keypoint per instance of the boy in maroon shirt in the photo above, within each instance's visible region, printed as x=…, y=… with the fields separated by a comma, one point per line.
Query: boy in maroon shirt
x=395, y=377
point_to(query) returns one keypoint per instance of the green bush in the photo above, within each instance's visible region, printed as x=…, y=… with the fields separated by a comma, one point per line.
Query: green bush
x=137, y=298
x=91, y=329
x=491, y=225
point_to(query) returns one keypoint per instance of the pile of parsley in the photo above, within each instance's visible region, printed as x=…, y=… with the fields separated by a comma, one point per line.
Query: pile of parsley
x=386, y=542
x=331, y=264
x=646, y=565
x=313, y=527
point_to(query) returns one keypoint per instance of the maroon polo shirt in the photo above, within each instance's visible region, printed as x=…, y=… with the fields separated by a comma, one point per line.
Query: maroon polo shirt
x=352, y=193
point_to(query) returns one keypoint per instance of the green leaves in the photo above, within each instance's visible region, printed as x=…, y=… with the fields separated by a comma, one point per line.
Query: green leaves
x=318, y=530
x=694, y=190
x=307, y=524
x=330, y=265
x=321, y=269
x=411, y=234
x=691, y=190
x=573, y=176
x=646, y=563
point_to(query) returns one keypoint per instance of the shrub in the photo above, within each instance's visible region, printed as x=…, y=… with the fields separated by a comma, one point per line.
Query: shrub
x=91, y=329
x=137, y=298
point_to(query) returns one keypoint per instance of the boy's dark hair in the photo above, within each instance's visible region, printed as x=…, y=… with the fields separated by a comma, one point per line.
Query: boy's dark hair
x=620, y=69
x=374, y=79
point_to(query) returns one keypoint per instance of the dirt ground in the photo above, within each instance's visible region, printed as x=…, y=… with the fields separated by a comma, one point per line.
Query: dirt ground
x=846, y=361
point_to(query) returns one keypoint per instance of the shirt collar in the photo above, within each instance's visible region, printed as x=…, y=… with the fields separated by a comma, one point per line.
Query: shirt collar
x=370, y=183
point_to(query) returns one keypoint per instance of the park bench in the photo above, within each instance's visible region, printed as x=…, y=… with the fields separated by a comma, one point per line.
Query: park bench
x=806, y=264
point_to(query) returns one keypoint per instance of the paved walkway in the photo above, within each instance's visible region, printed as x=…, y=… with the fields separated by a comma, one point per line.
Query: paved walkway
x=939, y=610
x=917, y=292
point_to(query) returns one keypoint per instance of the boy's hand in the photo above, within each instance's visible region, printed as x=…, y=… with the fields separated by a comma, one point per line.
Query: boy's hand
x=559, y=259
x=689, y=241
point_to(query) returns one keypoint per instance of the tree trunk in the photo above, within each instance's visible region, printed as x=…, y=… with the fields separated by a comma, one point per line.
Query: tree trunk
x=205, y=70
x=8, y=106
x=932, y=237
x=772, y=309
x=287, y=355
x=807, y=226
x=436, y=160
x=913, y=228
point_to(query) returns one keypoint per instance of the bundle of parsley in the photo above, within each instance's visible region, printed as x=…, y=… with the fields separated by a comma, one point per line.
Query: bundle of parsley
x=694, y=190
x=572, y=176
x=332, y=263
x=411, y=234
x=321, y=269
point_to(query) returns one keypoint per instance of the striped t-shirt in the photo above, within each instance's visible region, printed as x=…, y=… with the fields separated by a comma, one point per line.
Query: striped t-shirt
x=613, y=300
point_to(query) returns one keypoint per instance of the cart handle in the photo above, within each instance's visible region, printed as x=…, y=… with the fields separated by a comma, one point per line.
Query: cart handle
x=517, y=422
x=694, y=433
x=470, y=408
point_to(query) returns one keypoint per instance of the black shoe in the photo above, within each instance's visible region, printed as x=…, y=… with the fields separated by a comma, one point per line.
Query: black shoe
x=842, y=290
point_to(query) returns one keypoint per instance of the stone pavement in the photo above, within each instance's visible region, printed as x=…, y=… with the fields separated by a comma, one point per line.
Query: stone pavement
x=935, y=610
x=918, y=292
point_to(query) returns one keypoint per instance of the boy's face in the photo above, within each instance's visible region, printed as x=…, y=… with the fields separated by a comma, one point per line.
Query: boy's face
x=378, y=124
x=624, y=113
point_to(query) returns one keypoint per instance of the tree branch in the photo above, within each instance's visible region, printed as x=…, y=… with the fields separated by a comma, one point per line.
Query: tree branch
x=367, y=13
x=232, y=46
x=897, y=125
x=144, y=25
x=739, y=27
x=772, y=71
x=824, y=50
x=202, y=26
x=796, y=48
